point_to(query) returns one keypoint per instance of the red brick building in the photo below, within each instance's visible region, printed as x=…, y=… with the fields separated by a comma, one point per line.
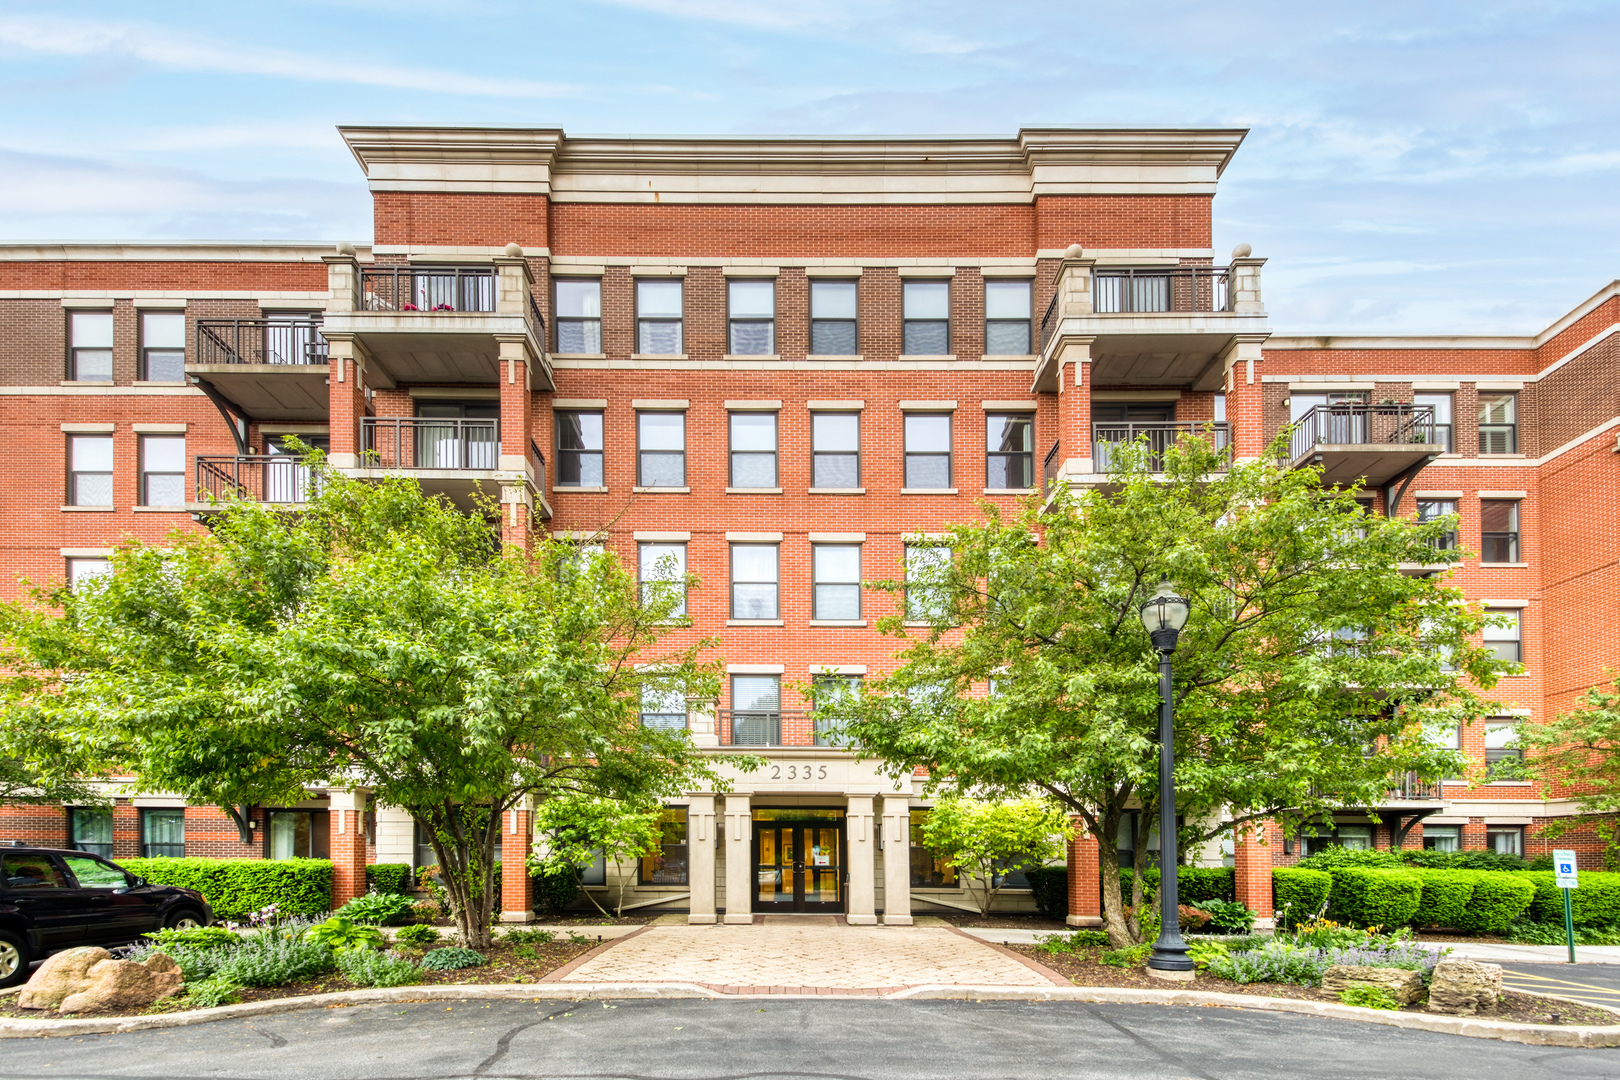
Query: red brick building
x=774, y=362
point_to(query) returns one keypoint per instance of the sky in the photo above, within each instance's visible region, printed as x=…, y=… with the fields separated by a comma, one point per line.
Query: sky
x=1424, y=166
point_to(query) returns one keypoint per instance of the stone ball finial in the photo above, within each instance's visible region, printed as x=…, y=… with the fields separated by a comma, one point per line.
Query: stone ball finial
x=345, y=248
x=1074, y=251
x=514, y=251
x=1242, y=251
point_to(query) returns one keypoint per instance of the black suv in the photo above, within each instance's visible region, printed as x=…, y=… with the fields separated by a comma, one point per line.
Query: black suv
x=52, y=900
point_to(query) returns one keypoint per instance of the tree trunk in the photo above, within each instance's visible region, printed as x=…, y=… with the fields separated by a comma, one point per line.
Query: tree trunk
x=1120, y=933
x=467, y=868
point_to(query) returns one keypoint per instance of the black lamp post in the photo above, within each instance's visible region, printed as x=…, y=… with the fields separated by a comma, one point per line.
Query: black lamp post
x=1164, y=616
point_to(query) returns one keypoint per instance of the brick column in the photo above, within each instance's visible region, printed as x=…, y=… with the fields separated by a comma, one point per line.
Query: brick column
x=860, y=842
x=348, y=841
x=1074, y=407
x=1251, y=871
x=1085, y=881
x=1245, y=405
x=896, y=860
x=700, y=841
x=346, y=400
x=517, y=838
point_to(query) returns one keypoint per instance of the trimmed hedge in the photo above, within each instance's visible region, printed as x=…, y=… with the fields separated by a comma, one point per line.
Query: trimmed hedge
x=1499, y=899
x=1194, y=884
x=1445, y=898
x=1375, y=897
x=1299, y=894
x=1595, y=903
x=1049, y=886
x=390, y=877
x=235, y=888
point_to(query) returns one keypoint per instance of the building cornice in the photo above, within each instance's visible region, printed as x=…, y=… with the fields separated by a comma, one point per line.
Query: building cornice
x=168, y=251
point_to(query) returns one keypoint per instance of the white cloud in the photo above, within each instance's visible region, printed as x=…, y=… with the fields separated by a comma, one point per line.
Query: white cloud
x=753, y=14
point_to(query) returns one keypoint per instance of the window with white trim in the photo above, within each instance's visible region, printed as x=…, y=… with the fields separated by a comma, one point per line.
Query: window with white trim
x=833, y=310
x=755, y=586
x=661, y=449
x=926, y=318
x=163, y=346
x=751, y=313
x=90, y=470
x=90, y=346
x=658, y=317
x=928, y=450
x=662, y=568
x=579, y=315
x=753, y=449
x=835, y=450
x=1007, y=317
x=163, y=470
x=836, y=574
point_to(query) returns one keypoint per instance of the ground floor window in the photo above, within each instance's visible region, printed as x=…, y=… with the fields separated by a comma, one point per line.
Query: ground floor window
x=300, y=834
x=1313, y=838
x=90, y=829
x=928, y=871
x=425, y=855
x=163, y=834
x=1505, y=839
x=1442, y=837
x=667, y=866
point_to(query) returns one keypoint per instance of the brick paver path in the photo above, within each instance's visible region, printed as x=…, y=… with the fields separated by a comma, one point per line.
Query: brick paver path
x=804, y=958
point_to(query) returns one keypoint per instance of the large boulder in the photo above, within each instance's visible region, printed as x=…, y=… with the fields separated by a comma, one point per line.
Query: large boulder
x=1462, y=987
x=89, y=979
x=1403, y=985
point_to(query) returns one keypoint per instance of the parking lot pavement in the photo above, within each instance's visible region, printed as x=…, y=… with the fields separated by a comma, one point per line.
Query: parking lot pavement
x=788, y=1038
x=1598, y=984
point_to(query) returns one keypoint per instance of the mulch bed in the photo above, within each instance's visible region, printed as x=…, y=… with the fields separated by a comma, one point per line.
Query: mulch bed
x=997, y=922
x=1085, y=969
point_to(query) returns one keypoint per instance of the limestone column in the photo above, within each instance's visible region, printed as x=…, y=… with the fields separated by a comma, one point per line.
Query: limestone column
x=1251, y=872
x=739, y=860
x=517, y=840
x=348, y=846
x=860, y=841
x=700, y=858
x=1085, y=883
x=896, y=860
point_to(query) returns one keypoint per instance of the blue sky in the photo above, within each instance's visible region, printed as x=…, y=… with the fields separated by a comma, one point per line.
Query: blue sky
x=1425, y=166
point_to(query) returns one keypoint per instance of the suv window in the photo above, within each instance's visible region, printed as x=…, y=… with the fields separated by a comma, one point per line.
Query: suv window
x=30, y=872
x=92, y=873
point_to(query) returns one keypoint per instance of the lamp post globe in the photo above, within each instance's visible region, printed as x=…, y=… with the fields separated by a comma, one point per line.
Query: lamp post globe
x=1164, y=616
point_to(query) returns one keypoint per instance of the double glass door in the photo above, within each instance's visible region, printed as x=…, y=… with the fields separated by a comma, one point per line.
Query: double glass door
x=798, y=866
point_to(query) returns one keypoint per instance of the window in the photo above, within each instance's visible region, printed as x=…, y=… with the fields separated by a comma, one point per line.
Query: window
x=663, y=575
x=90, y=345
x=1498, y=423
x=836, y=575
x=1006, y=318
x=82, y=570
x=663, y=707
x=1507, y=639
x=594, y=873
x=300, y=834
x=163, y=834
x=833, y=305
x=90, y=464
x=163, y=470
x=1442, y=837
x=90, y=829
x=468, y=436
x=1499, y=531
x=1447, y=738
x=30, y=872
x=425, y=855
x=751, y=306
x=754, y=581
x=661, y=449
x=95, y=874
x=1501, y=738
x=928, y=871
x=1220, y=408
x=1429, y=510
x=658, y=317
x=579, y=449
x=753, y=449
x=1354, y=837
x=1009, y=450
x=825, y=689
x=579, y=315
x=928, y=450
x=1441, y=404
x=667, y=866
x=756, y=710
x=927, y=318
x=1505, y=839
x=835, y=450
x=576, y=560
x=163, y=346
x=925, y=566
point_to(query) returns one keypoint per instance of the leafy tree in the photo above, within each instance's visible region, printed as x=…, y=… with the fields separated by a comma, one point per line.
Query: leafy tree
x=988, y=838
x=1304, y=681
x=578, y=828
x=1579, y=752
x=376, y=638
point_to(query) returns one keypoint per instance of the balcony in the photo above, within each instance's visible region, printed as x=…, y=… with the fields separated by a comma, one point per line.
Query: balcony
x=271, y=369
x=737, y=727
x=1155, y=437
x=456, y=458
x=439, y=324
x=1152, y=326
x=1377, y=443
x=267, y=478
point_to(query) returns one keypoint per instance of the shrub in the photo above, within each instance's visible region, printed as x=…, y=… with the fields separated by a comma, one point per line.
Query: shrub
x=1299, y=894
x=1472, y=859
x=198, y=937
x=1498, y=900
x=390, y=877
x=1194, y=884
x=555, y=891
x=196, y=965
x=1596, y=902
x=1049, y=886
x=1444, y=901
x=339, y=934
x=220, y=990
x=378, y=909
x=1281, y=960
x=1546, y=933
x=266, y=961
x=1369, y=997
x=378, y=969
x=1127, y=958
x=1227, y=916
x=1202, y=953
x=1192, y=919
x=1327, y=934
x=417, y=935
x=525, y=935
x=453, y=958
x=1376, y=897
x=237, y=887
x=1078, y=941
x=1363, y=858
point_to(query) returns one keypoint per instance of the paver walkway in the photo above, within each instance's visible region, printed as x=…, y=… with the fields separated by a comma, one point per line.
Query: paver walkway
x=801, y=957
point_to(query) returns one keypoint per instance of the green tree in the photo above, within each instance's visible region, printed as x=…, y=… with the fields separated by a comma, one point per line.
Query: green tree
x=1578, y=752
x=376, y=638
x=988, y=838
x=1305, y=680
x=578, y=828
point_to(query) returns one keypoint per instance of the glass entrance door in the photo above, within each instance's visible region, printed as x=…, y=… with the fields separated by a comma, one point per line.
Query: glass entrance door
x=798, y=866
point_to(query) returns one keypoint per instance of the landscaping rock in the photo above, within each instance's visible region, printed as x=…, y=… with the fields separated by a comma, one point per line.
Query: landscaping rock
x=83, y=979
x=1403, y=985
x=1461, y=987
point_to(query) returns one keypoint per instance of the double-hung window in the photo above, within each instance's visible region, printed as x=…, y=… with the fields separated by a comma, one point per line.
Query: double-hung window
x=658, y=317
x=1499, y=531
x=751, y=311
x=1442, y=837
x=662, y=568
x=90, y=829
x=661, y=449
x=579, y=449
x=835, y=450
x=836, y=569
x=927, y=318
x=756, y=710
x=90, y=346
x=1504, y=634
x=1009, y=450
x=1431, y=509
x=753, y=449
x=163, y=834
x=579, y=315
x=1441, y=431
x=928, y=451
x=90, y=470
x=1498, y=423
x=755, y=588
x=833, y=307
x=163, y=346
x=663, y=707
x=1502, y=752
x=163, y=470
x=80, y=571
x=926, y=568
x=825, y=689
x=1505, y=839
x=1006, y=318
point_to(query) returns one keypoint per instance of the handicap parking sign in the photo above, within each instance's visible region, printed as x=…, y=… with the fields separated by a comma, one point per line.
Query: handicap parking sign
x=1564, y=870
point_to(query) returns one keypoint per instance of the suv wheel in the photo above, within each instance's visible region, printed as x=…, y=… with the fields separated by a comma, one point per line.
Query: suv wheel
x=14, y=959
x=183, y=919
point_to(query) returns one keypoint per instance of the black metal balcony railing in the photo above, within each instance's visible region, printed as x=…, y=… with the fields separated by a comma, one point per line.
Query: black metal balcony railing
x=537, y=462
x=1414, y=787
x=1156, y=437
x=1176, y=289
x=418, y=442
x=1049, y=320
x=755, y=727
x=428, y=289
x=1049, y=468
x=1364, y=425
x=260, y=341
x=269, y=478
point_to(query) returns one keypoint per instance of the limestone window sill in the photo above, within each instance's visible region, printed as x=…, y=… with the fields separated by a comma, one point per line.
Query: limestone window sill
x=1010, y=356
x=87, y=509
x=750, y=356
x=158, y=509
x=1009, y=491
x=1504, y=565
x=837, y=622
x=754, y=491
x=161, y=382
x=661, y=490
x=754, y=622
x=838, y=491
x=928, y=356
x=579, y=356
x=837, y=357
x=569, y=489
x=928, y=491
x=1509, y=783
x=87, y=382
x=658, y=356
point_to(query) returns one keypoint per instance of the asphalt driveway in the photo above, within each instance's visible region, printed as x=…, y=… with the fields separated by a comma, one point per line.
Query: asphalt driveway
x=1598, y=984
